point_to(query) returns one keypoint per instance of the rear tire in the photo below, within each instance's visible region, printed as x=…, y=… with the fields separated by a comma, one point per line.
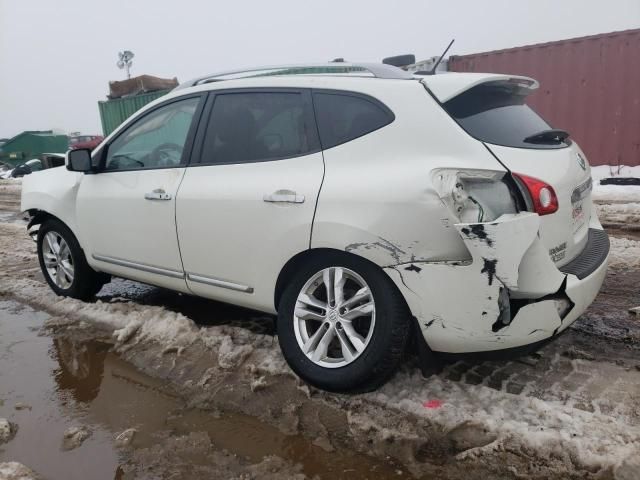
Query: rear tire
x=349, y=342
x=63, y=263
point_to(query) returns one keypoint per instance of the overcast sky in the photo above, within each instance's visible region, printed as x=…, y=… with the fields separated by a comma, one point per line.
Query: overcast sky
x=57, y=57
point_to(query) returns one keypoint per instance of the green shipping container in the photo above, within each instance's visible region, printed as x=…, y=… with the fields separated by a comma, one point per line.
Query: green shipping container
x=114, y=112
x=30, y=144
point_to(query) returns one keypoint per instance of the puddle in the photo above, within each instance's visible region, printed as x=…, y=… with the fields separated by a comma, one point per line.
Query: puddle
x=31, y=374
x=68, y=382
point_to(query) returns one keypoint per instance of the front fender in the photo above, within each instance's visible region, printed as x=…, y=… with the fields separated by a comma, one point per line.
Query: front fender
x=53, y=191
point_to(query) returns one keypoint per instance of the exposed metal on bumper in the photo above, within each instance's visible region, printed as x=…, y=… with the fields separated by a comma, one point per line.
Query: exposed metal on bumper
x=465, y=308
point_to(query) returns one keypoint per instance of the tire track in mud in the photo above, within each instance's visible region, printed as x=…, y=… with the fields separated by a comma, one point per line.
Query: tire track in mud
x=555, y=415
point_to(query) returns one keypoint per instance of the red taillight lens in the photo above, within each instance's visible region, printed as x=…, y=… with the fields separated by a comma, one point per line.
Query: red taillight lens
x=543, y=196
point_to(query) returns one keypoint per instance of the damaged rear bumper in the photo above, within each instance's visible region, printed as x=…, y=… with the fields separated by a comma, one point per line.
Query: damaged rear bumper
x=509, y=295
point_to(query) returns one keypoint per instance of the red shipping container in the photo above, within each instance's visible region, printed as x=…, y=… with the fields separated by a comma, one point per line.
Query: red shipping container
x=589, y=86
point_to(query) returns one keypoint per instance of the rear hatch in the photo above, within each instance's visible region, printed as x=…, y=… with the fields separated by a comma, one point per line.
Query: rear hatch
x=493, y=109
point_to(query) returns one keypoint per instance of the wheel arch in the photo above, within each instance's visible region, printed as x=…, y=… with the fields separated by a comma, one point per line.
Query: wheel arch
x=91, y=281
x=38, y=217
x=294, y=263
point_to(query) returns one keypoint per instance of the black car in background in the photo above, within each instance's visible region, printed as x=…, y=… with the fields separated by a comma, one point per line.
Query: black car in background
x=43, y=162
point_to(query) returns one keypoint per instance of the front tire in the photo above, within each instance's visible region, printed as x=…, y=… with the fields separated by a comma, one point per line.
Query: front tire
x=63, y=263
x=342, y=324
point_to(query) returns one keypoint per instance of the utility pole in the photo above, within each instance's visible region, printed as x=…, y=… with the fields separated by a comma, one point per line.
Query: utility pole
x=125, y=60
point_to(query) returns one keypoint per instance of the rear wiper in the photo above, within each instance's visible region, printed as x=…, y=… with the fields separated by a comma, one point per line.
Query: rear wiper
x=553, y=135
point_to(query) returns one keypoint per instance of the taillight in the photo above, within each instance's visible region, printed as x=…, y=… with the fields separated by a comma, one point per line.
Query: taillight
x=542, y=195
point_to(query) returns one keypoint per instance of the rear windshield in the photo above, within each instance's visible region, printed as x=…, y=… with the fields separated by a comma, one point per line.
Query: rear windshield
x=496, y=113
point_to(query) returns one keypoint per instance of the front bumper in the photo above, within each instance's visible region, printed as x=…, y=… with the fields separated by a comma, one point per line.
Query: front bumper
x=509, y=295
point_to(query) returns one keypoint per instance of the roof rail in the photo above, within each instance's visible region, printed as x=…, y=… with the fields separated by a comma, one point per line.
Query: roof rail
x=376, y=70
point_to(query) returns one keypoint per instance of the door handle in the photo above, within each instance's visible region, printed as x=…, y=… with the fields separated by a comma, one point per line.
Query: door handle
x=284, y=196
x=157, y=194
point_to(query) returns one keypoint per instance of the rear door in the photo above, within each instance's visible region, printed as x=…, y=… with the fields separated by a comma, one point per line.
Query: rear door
x=247, y=206
x=496, y=113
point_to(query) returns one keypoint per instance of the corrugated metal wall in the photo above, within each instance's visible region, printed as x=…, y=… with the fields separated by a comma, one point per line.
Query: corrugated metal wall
x=114, y=112
x=589, y=86
x=30, y=144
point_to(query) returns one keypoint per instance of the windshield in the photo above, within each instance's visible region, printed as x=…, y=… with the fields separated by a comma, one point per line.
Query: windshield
x=496, y=113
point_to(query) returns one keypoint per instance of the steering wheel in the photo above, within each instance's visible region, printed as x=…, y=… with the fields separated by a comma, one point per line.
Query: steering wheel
x=166, y=155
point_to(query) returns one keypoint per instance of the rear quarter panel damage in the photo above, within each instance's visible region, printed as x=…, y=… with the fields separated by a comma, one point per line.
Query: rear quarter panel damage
x=459, y=307
x=377, y=198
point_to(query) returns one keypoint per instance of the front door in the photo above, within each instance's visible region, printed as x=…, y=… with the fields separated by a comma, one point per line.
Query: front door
x=126, y=211
x=248, y=206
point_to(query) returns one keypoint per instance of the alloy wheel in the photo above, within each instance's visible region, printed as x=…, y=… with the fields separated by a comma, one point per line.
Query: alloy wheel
x=334, y=317
x=58, y=261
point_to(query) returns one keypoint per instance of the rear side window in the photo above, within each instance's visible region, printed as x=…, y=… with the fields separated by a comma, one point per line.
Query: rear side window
x=496, y=113
x=343, y=117
x=258, y=126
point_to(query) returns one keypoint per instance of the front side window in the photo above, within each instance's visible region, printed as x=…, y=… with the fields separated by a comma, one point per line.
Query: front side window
x=155, y=140
x=257, y=126
x=345, y=117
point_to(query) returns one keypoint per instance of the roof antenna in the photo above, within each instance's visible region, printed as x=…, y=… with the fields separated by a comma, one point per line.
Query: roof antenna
x=433, y=70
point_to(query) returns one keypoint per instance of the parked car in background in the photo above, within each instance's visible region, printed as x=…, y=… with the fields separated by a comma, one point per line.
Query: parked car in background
x=44, y=162
x=52, y=160
x=26, y=168
x=85, y=141
x=365, y=205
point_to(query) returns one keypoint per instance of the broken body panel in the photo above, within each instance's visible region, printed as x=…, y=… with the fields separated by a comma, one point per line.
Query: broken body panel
x=509, y=295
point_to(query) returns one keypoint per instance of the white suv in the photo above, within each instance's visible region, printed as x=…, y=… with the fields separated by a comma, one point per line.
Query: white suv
x=365, y=205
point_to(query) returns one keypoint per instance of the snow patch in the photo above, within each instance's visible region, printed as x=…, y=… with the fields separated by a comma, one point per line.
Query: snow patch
x=503, y=421
x=16, y=471
x=230, y=355
x=627, y=214
x=625, y=253
x=615, y=193
x=7, y=430
x=10, y=181
x=74, y=437
x=616, y=204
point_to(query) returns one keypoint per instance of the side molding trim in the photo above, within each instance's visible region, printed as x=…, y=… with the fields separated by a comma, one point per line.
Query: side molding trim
x=215, y=282
x=139, y=266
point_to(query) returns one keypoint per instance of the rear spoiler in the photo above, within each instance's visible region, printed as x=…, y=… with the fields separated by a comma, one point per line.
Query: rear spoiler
x=449, y=85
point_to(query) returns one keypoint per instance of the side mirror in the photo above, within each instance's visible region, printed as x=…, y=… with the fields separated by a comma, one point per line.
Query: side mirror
x=79, y=160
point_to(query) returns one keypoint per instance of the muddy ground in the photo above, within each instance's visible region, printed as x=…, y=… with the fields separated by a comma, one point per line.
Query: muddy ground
x=209, y=396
